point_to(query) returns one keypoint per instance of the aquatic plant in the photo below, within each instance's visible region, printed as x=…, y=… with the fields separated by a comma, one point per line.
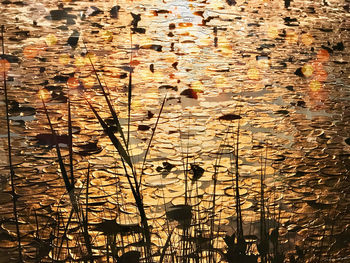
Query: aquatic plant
x=14, y=195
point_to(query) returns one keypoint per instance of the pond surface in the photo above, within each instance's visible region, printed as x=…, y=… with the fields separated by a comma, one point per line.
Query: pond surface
x=271, y=77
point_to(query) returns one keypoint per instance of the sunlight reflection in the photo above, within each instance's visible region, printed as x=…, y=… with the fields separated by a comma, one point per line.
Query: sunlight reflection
x=4, y=66
x=44, y=94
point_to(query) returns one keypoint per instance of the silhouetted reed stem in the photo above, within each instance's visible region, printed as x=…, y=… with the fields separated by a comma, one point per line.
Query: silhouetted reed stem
x=238, y=199
x=70, y=146
x=69, y=186
x=12, y=172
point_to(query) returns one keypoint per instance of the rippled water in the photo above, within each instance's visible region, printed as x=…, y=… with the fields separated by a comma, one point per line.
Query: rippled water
x=283, y=70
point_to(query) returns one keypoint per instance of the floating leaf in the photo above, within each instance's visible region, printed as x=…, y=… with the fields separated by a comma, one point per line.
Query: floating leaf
x=89, y=149
x=283, y=112
x=73, y=39
x=347, y=141
x=143, y=127
x=16, y=108
x=197, y=172
x=114, y=12
x=58, y=14
x=136, y=19
x=230, y=117
x=49, y=139
x=139, y=30
x=231, y=2
x=189, y=93
x=152, y=46
x=180, y=213
x=111, y=227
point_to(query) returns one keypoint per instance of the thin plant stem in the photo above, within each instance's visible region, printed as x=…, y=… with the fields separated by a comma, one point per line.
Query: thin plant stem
x=12, y=172
x=70, y=142
x=69, y=187
x=151, y=139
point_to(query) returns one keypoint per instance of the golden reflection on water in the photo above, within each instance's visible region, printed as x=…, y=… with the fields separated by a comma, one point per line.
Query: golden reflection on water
x=211, y=60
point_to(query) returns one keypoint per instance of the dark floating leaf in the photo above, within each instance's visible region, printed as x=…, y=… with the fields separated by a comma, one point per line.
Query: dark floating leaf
x=59, y=96
x=48, y=139
x=73, y=39
x=130, y=257
x=288, y=21
x=189, y=93
x=123, y=75
x=253, y=24
x=58, y=14
x=257, y=147
x=301, y=103
x=172, y=26
x=326, y=29
x=96, y=25
x=111, y=227
x=231, y=2
x=166, y=168
x=151, y=68
x=339, y=46
x=230, y=117
x=89, y=149
x=291, y=88
x=174, y=65
x=150, y=114
x=180, y=213
x=16, y=108
x=152, y=46
x=136, y=19
x=283, y=112
x=162, y=11
x=287, y=3
x=265, y=46
x=199, y=13
x=299, y=73
x=197, y=172
x=139, y=30
x=143, y=127
x=347, y=141
x=168, y=87
x=114, y=12
x=10, y=58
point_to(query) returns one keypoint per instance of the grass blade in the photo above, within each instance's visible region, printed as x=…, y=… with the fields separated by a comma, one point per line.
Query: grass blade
x=122, y=152
x=151, y=139
x=111, y=109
